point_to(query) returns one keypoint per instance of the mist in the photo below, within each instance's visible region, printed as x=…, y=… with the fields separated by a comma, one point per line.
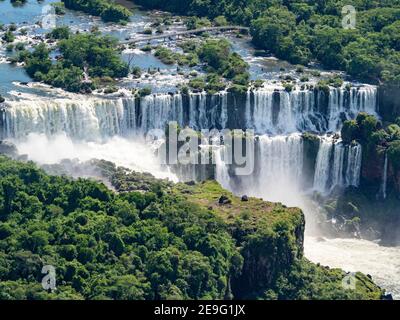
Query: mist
x=133, y=154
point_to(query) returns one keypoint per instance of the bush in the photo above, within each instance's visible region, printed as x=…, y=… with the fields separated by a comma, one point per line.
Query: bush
x=145, y=91
x=8, y=37
x=350, y=131
x=107, y=10
x=59, y=33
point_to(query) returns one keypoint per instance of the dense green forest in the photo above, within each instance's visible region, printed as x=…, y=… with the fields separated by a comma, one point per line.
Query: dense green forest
x=84, y=62
x=109, y=11
x=220, y=64
x=375, y=137
x=301, y=31
x=158, y=241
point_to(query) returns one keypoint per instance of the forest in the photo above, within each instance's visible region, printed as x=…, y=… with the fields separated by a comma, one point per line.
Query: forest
x=89, y=57
x=109, y=11
x=303, y=31
x=158, y=243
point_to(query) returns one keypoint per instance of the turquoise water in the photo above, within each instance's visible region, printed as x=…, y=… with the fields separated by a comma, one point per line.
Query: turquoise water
x=30, y=15
x=26, y=13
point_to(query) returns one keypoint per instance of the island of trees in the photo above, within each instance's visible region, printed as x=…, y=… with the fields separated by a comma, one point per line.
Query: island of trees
x=85, y=61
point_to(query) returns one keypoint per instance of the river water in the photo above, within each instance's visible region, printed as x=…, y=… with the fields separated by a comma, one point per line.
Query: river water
x=349, y=254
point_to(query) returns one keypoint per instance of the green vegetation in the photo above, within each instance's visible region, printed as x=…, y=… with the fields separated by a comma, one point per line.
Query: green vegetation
x=143, y=92
x=193, y=23
x=109, y=11
x=219, y=60
x=59, y=33
x=104, y=245
x=301, y=31
x=157, y=241
x=92, y=54
x=168, y=56
x=366, y=129
x=8, y=36
x=379, y=140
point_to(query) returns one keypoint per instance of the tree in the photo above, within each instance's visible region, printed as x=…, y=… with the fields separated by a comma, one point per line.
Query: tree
x=59, y=33
x=350, y=131
x=38, y=62
x=9, y=192
x=115, y=242
x=271, y=27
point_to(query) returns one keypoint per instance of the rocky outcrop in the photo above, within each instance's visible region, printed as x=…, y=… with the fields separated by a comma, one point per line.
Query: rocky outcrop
x=372, y=168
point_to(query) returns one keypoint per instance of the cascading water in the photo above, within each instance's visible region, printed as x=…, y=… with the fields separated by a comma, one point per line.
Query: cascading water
x=266, y=111
x=82, y=119
x=337, y=165
x=91, y=118
x=157, y=110
x=279, y=167
x=208, y=111
x=383, y=189
x=277, y=112
x=221, y=169
x=71, y=127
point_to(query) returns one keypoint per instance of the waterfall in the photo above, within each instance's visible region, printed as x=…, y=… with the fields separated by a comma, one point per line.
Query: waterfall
x=279, y=167
x=337, y=165
x=279, y=112
x=384, y=178
x=266, y=111
x=208, y=111
x=157, y=110
x=221, y=169
x=280, y=159
x=82, y=119
x=277, y=172
x=346, y=104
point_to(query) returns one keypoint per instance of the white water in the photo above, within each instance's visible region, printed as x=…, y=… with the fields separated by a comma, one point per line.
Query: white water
x=81, y=118
x=337, y=165
x=382, y=263
x=133, y=154
x=93, y=117
x=89, y=118
x=384, y=178
x=277, y=112
x=280, y=167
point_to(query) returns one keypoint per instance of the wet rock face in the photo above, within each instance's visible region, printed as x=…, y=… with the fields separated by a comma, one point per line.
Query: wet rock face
x=372, y=168
x=389, y=102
